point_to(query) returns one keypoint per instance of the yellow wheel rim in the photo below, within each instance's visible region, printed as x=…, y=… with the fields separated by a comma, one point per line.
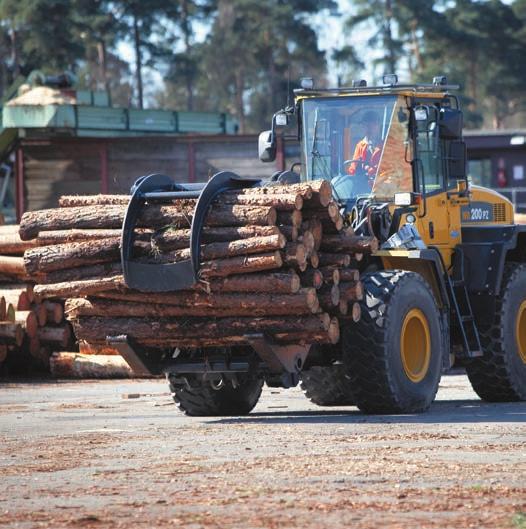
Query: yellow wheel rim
x=415, y=345
x=520, y=331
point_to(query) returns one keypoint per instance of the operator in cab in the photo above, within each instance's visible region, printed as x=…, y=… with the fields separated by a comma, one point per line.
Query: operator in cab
x=368, y=150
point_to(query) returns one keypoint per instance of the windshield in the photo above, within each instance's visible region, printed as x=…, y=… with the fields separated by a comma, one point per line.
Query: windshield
x=358, y=143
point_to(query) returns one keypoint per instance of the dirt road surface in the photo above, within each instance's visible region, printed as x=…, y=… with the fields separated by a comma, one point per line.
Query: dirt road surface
x=120, y=454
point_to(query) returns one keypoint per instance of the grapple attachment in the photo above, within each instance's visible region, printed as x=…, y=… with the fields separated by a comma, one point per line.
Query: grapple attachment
x=157, y=188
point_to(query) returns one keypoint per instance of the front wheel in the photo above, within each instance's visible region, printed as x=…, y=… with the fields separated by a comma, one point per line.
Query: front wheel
x=393, y=355
x=500, y=374
x=199, y=397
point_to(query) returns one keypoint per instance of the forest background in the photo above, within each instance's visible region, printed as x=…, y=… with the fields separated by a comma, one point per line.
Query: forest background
x=245, y=56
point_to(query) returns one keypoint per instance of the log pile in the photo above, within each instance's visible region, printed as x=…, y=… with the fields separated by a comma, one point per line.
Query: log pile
x=276, y=260
x=30, y=329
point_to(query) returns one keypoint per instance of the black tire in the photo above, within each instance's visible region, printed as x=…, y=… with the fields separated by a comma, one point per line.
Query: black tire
x=200, y=399
x=327, y=385
x=372, y=347
x=500, y=375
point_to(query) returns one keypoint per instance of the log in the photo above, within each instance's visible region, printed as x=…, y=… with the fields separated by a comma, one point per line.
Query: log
x=349, y=274
x=304, y=189
x=27, y=319
x=272, y=282
x=76, y=365
x=18, y=297
x=10, y=313
x=46, y=238
x=3, y=308
x=282, y=202
x=289, y=218
x=312, y=278
x=96, y=329
x=240, y=265
x=83, y=287
x=195, y=300
x=295, y=255
x=343, y=307
x=334, y=259
x=60, y=335
x=173, y=239
x=331, y=275
x=54, y=311
x=41, y=314
x=218, y=250
x=316, y=228
x=70, y=255
x=93, y=217
x=307, y=239
x=70, y=201
x=329, y=296
x=304, y=302
x=321, y=193
x=82, y=272
x=356, y=312
x=11, y=243
x=12, y=266
x=351, y=290
x=331, y=335
x=349, y=243
x=314, y=259
x=12, y=331
x=91, y=349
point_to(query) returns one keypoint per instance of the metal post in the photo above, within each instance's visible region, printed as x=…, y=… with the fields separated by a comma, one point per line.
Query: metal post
x=280, y=153
x=104, y=177
x=191, y=161
x=19, y=183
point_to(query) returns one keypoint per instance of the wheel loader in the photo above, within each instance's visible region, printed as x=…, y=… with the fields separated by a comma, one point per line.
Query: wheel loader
x=446, y=287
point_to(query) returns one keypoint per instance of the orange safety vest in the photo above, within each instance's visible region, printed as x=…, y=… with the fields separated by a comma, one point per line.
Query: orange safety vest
x=370, y=159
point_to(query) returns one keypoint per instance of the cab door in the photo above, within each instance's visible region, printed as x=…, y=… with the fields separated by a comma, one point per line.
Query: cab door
x=438, y=216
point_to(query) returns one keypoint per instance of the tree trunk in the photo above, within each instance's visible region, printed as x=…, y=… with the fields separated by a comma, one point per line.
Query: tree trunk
x=82, y=272
x=334, y=259
x=240, y=265
x=256, y=305
x=96, y=329
x=346, y=243
x=76, y=365
x=74, y=289
x=273, y=282
x=138, y=60
x=88, y=217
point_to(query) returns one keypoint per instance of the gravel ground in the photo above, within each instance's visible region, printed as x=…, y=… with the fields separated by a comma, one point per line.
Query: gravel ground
x=97, y=454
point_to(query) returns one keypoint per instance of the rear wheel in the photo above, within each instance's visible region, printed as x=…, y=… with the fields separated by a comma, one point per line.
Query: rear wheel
x=393, y=355
x=500, y=374
x=327, y=385
x=201, y=398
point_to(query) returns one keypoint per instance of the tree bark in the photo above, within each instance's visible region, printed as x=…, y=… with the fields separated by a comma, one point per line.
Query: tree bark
x=257, y=305
x=61, y=335
x=73, y=289
x=76, y=365
x=334, y=259
x=295, y=255
x=54, y=311
x=70, y=255
x=177, y=239
x=272, y=282
x=82, y=272
x=289, y=218
x=94, y=217
x=240, y=265
x=96, y=329
x=329, y=296
x=349, y=243
x=12, y=266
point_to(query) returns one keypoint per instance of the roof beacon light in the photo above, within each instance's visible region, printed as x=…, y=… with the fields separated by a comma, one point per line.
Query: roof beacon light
x=440, y=80
x=390, y=79
x=307, y=83
x=359, y=83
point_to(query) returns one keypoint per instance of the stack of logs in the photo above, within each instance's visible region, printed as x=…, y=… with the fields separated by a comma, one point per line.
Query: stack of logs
x=29, y=329
x=275, y=259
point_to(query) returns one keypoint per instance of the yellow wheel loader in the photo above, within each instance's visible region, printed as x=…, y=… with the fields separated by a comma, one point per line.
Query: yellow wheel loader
x=446, y=286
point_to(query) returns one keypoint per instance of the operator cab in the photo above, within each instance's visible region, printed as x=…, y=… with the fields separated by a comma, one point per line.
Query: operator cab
x=376, y=142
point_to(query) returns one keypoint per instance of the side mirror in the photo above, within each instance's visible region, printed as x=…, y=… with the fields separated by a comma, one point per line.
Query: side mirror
x=456, y=160
x=267, y=146
x=450, y=124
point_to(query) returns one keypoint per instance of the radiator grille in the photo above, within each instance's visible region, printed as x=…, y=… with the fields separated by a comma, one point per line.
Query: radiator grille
x=499, y=212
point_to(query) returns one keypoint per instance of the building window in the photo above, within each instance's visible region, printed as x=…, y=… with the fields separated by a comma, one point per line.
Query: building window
x=479, y=172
